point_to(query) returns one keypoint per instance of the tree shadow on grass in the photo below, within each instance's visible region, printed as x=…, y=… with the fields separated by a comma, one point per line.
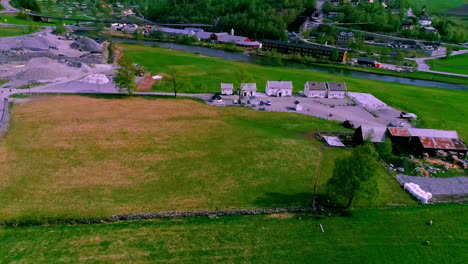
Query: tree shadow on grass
x=274, y=199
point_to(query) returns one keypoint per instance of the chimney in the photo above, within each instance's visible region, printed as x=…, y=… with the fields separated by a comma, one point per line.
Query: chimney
x=232, y=32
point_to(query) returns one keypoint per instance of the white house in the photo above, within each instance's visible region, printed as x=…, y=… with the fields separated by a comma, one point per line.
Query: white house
x=279, y=88
x=248, y=89
x=227, y=88
x=425, y=20
x=336, y=89
x=315, y=89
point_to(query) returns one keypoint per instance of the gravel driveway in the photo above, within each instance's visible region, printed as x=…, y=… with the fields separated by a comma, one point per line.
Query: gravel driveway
x=443, y=189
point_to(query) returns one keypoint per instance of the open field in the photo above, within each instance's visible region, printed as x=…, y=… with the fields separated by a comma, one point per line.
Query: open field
x=73, y=156
x=438, y=108
x=455, y=64
x=394, y=235
x=12, y=31
x=14, y=19
x=438, y=6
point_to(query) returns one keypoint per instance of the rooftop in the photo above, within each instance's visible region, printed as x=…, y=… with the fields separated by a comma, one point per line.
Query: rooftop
x=336, y=86
x=280, y=84
x=419, y=132
x=316, y=85
x=249, y=86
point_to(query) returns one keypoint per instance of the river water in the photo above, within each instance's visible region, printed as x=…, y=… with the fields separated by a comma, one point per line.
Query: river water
x=238, y=56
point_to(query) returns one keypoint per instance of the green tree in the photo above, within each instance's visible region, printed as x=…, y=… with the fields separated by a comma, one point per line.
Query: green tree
x=125, y=80
x=125, y=77
x=175, y=79
x=242, y=77
x=139, y=37
x=59, y=29
x=355, y=176
x=448, y=51
x=400, y=57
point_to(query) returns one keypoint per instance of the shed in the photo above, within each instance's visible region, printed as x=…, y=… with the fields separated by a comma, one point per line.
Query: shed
x=227, y=88
x=248, y=89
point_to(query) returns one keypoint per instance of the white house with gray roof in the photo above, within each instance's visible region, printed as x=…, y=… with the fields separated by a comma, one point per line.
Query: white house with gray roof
x=248, y=89
x=315, y=89
x=279, y=88
x=336, y=89
x=227, y=88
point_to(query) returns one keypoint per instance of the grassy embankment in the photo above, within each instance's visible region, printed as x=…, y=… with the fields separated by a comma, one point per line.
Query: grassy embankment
x=85, y=157
x=454, y=64
x=13, y=31
x=394, y=235
x=437, y=108
x=15, y=20
x=439, y=6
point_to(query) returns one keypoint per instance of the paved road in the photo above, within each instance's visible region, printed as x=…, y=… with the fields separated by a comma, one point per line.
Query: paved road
x=8, y=7
x=424, y=67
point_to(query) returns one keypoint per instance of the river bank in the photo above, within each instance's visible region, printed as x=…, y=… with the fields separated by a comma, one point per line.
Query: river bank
x=415, y=78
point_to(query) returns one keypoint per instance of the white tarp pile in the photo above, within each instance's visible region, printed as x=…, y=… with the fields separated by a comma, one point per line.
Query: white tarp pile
x=157, y=77
x=96, y=78
x=418, y=193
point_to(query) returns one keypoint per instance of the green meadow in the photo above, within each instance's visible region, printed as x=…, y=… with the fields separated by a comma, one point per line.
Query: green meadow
x=454, y=64
x=392, y=235
x=437, y=108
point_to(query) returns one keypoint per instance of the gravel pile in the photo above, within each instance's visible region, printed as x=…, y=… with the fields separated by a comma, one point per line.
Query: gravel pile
x=86, y=44
x=43, y=69
x=30, y=42
x=438, y=186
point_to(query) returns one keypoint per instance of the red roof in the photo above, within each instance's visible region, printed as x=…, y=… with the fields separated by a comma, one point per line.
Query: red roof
x=399, y=132
x=443, y=143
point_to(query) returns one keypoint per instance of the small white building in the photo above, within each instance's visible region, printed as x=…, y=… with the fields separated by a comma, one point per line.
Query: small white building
x=315, y=89
x=336, y=89
x=248, y=89
x=279, y=88
x=227, y=88
x=425, y=20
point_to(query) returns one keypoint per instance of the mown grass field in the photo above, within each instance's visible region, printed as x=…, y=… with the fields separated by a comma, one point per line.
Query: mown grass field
x=75, y=156
x=454, y=64
x=394, y=235
x=437, y=108
x=439, y=6
x=12, y=31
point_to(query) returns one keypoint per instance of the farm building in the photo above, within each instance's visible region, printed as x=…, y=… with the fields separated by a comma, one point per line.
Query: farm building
x=248, y=89
x=315, y=89
x=336, y=89
x=279, y=88
x=375, y=134
x=305, y=50
x=419, y=140
x=227, y=89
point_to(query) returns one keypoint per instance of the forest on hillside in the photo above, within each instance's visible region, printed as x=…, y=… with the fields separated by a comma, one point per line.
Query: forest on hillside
x=257, y=19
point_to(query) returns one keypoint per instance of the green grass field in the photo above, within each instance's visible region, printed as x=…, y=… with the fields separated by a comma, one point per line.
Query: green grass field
x=394, y=235
x=438, y=6
x=12, y=31
x=437, y=108
x=454, y=64
x=85, y=157
x=15, y=20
